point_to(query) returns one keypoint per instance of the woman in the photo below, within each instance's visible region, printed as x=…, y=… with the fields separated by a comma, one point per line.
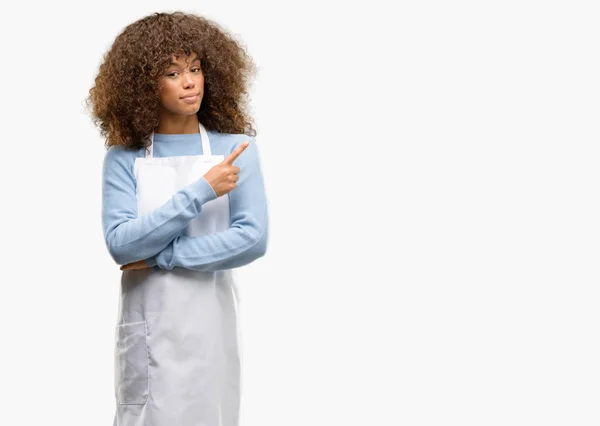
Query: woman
x=178, y=215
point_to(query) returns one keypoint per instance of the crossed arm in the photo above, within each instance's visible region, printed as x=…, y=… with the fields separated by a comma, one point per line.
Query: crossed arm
x=155, y=239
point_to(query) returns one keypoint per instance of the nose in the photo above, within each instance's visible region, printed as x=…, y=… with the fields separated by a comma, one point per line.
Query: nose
x=188, y=81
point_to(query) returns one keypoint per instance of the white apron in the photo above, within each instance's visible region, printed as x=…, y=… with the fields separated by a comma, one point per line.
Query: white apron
x=177, y=351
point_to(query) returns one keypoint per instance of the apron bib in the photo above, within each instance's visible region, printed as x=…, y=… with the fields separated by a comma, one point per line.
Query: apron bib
x=177, y=340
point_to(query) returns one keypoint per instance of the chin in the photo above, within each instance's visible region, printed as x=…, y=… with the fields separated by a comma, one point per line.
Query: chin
x=189, y=111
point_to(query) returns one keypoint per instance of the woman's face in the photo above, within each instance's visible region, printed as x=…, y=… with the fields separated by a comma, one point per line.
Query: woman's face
x=182, y=86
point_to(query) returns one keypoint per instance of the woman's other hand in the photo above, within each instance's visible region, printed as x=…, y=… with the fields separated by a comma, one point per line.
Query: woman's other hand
x=140, y=264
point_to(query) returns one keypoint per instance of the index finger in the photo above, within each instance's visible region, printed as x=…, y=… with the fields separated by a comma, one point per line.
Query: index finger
x=236, y=152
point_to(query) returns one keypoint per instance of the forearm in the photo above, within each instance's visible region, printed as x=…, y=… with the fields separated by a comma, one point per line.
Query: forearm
x=243, y=242
x=130, y=238
x=235, y=247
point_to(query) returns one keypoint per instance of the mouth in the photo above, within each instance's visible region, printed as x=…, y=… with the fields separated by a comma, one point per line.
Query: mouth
x=191, y=96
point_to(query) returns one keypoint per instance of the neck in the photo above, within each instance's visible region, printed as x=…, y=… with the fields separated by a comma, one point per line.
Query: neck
x=176, y=124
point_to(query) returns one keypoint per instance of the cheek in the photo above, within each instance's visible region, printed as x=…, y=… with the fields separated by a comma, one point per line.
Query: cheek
x=167, y=92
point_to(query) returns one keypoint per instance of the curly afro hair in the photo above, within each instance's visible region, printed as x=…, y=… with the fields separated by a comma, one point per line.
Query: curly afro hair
x=125, y=101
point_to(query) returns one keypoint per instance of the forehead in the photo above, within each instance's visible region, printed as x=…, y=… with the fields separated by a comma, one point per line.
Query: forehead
x=183, y=60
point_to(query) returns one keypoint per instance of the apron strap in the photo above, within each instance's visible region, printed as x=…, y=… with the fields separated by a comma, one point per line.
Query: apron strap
x=205, y=141
x=203, y=137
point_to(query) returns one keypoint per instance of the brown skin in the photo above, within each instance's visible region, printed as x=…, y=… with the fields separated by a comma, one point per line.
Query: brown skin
x=183, y=77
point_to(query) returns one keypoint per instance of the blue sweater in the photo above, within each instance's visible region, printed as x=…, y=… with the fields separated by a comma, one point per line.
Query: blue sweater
x=159, y=237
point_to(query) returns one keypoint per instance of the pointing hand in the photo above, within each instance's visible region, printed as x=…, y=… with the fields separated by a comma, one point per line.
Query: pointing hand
x=223, y=176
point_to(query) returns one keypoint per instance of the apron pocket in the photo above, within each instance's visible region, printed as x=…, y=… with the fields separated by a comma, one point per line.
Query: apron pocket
x=131, y=363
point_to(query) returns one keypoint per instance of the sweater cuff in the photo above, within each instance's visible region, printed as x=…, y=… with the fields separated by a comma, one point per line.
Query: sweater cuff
x=151, y=261
x=164, y=259
x=205, y=192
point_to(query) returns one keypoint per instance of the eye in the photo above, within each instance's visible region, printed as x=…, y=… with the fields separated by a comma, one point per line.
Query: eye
x=172, y=74
x=196, y=69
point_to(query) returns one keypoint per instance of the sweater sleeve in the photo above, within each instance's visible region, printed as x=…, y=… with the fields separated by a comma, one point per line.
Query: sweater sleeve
x=130, y=238
x=246, y=238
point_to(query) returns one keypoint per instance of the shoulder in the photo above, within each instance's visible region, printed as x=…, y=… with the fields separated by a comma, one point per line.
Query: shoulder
x=229, y=140
x=121, y=158
x=225, y=143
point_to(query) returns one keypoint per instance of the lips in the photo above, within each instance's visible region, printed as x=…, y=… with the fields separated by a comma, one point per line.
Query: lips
x=192, y=95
